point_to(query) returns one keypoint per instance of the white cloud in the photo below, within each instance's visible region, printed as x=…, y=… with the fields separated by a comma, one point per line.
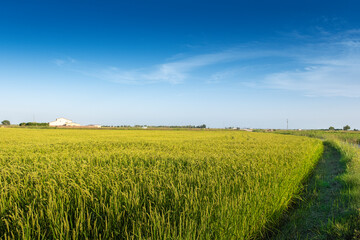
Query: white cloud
x=331, y=68
x=226, y=75
x=334, y=77
x=62, y=62
x=59, y=62
x=177, y=72
x=326, y=67
x=174, y=72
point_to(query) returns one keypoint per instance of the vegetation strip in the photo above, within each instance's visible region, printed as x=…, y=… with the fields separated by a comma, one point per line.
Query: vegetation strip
x=344, y=221
x=347, y=226
x=319, y=203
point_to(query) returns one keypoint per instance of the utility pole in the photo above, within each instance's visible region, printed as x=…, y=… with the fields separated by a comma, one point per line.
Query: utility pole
x=287, y=124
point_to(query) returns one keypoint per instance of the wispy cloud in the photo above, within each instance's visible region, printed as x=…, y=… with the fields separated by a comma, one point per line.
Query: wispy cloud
x=175, y=71
x=329, y=66
x=334, y=69
x=61, y=62
x=328, y=80
x=226, y=76
x=178, y=71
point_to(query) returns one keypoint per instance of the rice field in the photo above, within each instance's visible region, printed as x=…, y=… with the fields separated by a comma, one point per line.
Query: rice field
x=147, y=184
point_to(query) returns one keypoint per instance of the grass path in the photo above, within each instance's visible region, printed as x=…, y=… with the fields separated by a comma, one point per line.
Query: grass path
x=312, y=216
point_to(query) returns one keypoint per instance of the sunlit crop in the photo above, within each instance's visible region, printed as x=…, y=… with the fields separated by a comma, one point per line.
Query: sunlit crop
x=133, y=184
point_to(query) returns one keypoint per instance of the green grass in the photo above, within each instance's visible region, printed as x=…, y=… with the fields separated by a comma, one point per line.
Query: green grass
x=348, y=225
x=320, y=203
x=330, y=208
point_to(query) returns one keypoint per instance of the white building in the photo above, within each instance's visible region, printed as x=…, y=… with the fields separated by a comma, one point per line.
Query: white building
x=95, y=126
x=63, y=122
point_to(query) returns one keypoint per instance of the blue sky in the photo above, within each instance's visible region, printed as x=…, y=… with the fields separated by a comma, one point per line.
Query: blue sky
x=222, y=63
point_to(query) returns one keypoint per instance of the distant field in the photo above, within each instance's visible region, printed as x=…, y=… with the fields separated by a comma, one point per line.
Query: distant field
x=110, y=184
x=346, y=136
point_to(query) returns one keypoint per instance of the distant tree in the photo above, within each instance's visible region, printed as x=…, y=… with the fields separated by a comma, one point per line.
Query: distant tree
x=331, y=128
x=33, y=124
x=5, y=122
x=347, y=127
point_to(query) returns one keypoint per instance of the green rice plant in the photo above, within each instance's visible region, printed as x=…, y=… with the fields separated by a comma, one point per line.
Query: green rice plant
x=148, y=184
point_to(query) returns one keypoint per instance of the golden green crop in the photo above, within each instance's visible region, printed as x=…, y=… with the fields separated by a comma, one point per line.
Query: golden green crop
x=113, y=184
